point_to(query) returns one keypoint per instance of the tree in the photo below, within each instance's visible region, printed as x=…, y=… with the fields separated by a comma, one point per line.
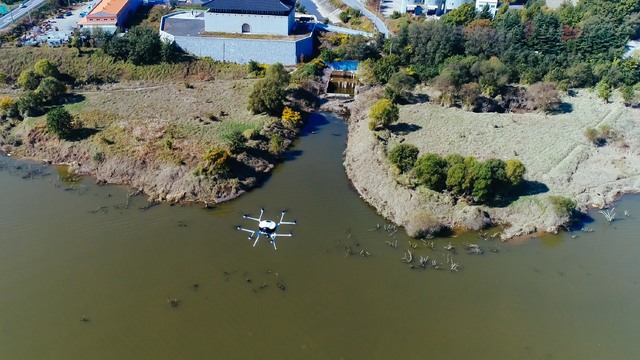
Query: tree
x=8, y=107
x=30, y=103
x=45, y=68
x=430, y=170
x=384, y=68
x=399, y=86
x=492, y=75
x=461, y=16
x=603, y=90
x=144, y=45
x=628, y=94
x=268, y=93
x=514, y=171
x=383, y=113
x=51, y=89
x=469, y=94
x=28, y=79
x=404, y=156
x=542, y=96
x=490, y=178
x=118, y=48
x=170, y=52
x=59, y=122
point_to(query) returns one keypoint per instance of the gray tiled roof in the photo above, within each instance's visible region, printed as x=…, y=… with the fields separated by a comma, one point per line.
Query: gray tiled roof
x=264, y=7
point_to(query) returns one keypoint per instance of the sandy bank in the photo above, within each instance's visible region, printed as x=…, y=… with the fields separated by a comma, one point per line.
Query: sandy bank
x=558, y=157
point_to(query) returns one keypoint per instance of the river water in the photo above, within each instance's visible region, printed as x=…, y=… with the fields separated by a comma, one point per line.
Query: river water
x=69, y=249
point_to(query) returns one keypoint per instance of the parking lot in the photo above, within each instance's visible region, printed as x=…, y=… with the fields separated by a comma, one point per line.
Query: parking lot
x=59, y=28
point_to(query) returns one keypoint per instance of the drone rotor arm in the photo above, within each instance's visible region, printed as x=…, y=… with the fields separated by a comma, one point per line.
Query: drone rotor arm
x=257, y=238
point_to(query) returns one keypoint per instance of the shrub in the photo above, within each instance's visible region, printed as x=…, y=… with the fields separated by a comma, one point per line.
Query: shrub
x=430, y=170
x=399, y=86
x=290, y=118
x=563, y=206
x=515, y=171
x=600, y=136
x=30, y=103
x=404, y=156
x=51, y=89
x=268, y=93
x=542, y=96
x=603, y=90
x=469, y=94
x=250, y=133
x=628, y=94
x=99, y=157
x=423, y=224
x=59, y=122
x=28, y=79
x=46, y=68
x=236, y=141
x=216, y=162
x=255, y=68
x=383, y=113
x=460, y=177
x=8, y=107
x=276, y=144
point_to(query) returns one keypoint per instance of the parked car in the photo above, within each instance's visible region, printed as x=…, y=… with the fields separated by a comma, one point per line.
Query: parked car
x=59, y=16
x=83, y=14
x=68, y=13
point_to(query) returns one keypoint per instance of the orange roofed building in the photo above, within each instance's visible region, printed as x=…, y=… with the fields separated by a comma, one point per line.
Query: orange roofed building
x=109, y=14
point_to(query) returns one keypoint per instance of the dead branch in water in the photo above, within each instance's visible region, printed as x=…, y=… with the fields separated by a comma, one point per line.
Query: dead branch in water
x=392, y=244
x=473, y=249
x=609, y=215
x=407, y=257
x=424, y=261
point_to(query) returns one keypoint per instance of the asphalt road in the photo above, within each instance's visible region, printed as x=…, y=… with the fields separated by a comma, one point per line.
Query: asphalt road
x=19, y=12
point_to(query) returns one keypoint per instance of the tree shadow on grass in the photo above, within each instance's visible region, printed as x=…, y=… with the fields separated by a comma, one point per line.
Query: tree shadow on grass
x=562, y=108
x=526, y=188
x=74, y=98
x=82, y=134
x=418, y=99
x=403, y=128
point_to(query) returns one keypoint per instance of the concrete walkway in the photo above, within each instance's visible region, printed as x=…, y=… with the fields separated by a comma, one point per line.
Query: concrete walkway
x=380, y=25
x=327, y=10
x=342, y=30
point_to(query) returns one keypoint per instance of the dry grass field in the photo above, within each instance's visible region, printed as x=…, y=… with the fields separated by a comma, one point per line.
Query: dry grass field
x=553, y=147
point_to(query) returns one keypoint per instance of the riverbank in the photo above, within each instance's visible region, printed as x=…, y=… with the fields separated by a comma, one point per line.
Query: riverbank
x=154, y=138
x=560, y=161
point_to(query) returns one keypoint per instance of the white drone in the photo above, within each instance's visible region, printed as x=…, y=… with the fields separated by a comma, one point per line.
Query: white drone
x=267, y=228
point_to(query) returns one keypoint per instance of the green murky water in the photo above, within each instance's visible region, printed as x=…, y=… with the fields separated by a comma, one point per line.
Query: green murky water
x=73, y=249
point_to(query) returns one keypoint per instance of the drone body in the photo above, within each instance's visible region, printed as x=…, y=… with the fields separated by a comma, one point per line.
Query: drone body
x=268, y=228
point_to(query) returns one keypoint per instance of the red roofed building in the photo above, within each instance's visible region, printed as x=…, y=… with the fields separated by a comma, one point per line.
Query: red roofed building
x=109, y=14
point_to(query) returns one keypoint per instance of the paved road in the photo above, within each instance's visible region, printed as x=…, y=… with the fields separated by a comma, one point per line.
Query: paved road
x=358, y=4
x=19, y=12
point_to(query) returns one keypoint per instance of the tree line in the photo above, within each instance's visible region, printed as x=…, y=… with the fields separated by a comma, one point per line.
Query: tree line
x=479, y=181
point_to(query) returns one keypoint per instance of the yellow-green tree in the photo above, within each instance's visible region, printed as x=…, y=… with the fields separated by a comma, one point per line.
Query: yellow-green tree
x=383, y=113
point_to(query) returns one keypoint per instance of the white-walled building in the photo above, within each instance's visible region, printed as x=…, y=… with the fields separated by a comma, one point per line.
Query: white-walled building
x=242, y=30
x=450, y=5
x=250, y=17
x=493, y=6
